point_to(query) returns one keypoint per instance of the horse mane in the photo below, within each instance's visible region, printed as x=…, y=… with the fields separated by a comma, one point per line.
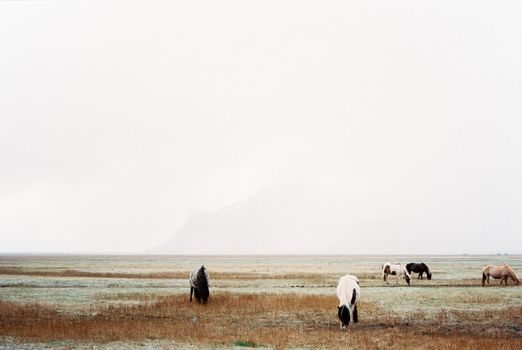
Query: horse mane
x=202, y=284
x=404, y=270
x=511, y=272
x=427, y=269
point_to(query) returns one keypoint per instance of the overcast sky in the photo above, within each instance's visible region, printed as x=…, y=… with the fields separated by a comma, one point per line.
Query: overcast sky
x=118, y=119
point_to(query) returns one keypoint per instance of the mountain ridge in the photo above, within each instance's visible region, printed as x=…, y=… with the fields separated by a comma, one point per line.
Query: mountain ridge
x=287, y=219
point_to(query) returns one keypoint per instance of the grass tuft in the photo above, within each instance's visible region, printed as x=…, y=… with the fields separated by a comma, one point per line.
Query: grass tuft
x=246, y=344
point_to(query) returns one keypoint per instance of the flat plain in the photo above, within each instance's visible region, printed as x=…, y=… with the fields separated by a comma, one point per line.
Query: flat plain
x=108, y=302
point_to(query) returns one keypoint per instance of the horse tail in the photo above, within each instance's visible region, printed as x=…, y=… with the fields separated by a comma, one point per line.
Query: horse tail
x=484, y=277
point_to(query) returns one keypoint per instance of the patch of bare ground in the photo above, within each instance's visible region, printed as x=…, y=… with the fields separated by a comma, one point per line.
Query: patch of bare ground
x=274, y=320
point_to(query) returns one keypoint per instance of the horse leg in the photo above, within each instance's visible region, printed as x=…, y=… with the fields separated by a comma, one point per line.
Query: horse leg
x=197, y=295
x=191, y=290
x=420, y=275
x=355, y=316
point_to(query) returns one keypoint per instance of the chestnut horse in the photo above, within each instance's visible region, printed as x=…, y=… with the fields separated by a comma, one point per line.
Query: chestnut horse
x=502, y=271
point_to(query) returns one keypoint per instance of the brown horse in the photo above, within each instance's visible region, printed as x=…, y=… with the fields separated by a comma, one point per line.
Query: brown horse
x=503, y=272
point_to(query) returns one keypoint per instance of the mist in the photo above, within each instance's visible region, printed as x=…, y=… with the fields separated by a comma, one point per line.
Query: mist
x=121, y=122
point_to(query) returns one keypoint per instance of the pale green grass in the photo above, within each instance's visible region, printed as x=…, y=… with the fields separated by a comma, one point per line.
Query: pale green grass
x=455, y=285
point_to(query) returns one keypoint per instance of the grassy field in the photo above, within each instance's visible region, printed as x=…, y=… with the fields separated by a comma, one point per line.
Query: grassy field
x=275, y=302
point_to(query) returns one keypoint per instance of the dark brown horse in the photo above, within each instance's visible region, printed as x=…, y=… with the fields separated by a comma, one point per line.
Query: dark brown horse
x=199, y=282
x=419, y=268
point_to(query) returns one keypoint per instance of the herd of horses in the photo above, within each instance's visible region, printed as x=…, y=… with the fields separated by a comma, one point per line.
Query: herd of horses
x=349, y=290
x=398, y=270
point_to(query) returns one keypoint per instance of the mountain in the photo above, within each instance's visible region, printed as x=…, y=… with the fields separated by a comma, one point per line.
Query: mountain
x=281, y=219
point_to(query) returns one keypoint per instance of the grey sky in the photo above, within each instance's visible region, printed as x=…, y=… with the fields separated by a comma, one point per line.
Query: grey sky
x=120, y=118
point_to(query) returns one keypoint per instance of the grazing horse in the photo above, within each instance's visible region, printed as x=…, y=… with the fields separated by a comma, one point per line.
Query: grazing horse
x=199, y=282
x=348, y=292
x=395, y=270
x=503, y=272
x=419, y=268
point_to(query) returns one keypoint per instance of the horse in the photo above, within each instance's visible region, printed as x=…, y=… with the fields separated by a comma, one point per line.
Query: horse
x=395, y=270
x=503, y=272
x=199, y=282
x=348, y=292
x=419, y=268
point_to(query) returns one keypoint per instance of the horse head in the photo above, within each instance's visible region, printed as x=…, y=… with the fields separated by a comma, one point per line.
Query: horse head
x=344, y=315
x=429, y=274
x=407, y=278
x=512, y=275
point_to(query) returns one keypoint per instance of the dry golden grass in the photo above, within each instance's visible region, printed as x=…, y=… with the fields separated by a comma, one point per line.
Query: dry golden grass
x=15, y=271
x=276, y=320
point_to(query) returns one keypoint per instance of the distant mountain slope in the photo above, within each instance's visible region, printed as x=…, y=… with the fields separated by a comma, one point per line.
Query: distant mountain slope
x=277, y=220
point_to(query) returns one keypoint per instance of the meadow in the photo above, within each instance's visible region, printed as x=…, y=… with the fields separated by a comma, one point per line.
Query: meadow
x=109, y=302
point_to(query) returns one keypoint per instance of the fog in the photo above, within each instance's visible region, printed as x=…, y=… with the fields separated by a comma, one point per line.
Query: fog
x=121, y=120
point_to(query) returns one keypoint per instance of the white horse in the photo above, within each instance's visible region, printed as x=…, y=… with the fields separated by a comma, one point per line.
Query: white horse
x=395, y=270
x=348, y=292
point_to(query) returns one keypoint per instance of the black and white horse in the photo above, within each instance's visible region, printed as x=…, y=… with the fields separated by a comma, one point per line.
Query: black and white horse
x=419, y=268
x=199, y=283
x=395, y=270
x=348, y=292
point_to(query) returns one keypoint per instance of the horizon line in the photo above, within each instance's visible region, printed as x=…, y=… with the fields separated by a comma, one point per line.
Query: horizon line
x=137, y=254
